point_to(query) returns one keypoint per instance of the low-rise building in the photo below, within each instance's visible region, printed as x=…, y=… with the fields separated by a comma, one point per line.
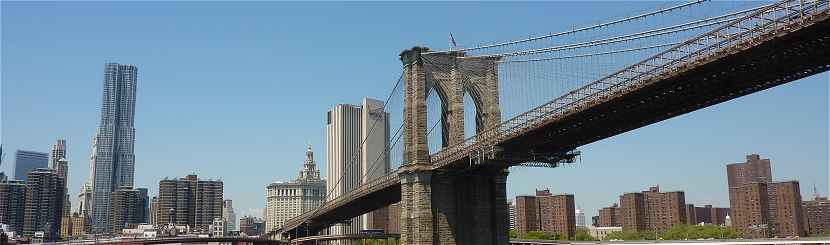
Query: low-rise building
x=599, y=233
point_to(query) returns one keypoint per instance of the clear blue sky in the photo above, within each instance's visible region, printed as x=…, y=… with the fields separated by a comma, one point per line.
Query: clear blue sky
x=236, y=90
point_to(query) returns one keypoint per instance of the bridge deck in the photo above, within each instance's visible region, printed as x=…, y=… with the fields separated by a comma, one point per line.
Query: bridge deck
x=773, y=46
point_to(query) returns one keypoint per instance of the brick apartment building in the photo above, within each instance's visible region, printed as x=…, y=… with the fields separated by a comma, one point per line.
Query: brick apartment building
x=817, y=215
x=546, y=212
x=706, y=214
x=610, y=216
x=652, y=210
x=762, y=208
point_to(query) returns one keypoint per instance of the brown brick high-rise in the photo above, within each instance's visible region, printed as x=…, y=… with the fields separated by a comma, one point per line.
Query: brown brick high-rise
x=706, y=214
x=546, y=212
x=817, y=215
x=762, y=208
x=610, y=216
x=652, y=210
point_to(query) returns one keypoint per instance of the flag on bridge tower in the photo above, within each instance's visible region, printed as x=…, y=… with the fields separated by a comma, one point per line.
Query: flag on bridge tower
x=452, y=41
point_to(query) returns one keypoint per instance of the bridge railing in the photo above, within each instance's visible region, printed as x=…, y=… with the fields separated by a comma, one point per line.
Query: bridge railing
x=745, y=32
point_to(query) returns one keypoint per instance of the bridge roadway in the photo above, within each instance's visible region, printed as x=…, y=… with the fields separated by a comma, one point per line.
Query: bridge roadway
x=774, y=46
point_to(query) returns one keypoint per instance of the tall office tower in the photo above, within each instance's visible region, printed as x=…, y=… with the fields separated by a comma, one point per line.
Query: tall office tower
x=374, y=157
x=124, y=211
x=154, y=207
x=58, y=162
x=58, y=152
x=357, y=138
x=194, y=202
x=759, y=207
x=580, y=219
x=44, y=197
x=816, y=215
x=25, y=161
x=546, y=212
x=143, y=205
x=652, y=210
x=610, y=216
x=286, y=200
x=114, y=161
x=229, y=215
x=12, y=201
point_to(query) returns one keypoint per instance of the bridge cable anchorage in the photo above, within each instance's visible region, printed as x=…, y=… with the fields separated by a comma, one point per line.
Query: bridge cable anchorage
x=362, y=142
x=606, y=24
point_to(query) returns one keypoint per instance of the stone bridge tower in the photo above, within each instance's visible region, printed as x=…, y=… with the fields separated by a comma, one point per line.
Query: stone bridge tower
x=450, y=206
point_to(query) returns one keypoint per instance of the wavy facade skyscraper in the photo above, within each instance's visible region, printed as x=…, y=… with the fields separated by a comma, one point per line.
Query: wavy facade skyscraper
x=113, y=161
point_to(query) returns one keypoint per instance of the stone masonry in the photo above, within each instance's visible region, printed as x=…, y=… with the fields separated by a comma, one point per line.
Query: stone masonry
x=448, y=206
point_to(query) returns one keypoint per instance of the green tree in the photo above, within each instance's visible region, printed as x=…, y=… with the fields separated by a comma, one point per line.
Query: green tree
x=629, y=235
x=541, y=235
x=683, y=232
x=512, y=233
x=583, y=235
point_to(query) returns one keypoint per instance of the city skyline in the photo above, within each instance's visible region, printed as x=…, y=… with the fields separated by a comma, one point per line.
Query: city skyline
x=794, y=147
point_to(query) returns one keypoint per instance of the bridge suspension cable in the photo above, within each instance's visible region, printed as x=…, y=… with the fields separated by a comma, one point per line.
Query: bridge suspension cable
x=634, y=36
x=353, y=159
x=606, y=24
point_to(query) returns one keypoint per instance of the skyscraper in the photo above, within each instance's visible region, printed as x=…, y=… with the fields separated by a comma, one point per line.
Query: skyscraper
x=58, y=162
x=357, y=138
x=194, y=202
x=286, y=200
x=125, y=209
x=25, y=161
x=143, y=205
x=113, y=159
x=44, y=197
x=580, y=219
x=58, y=152
x=229, y=215
x=12, y=201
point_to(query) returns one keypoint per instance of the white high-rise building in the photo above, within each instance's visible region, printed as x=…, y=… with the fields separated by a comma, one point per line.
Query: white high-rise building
x=228, y=215
x=580, y=218
x=114, y=159
x=286, y=200
x=357, y=141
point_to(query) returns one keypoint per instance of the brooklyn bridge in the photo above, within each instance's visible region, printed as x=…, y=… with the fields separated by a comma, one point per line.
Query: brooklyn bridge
x=538, y=99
